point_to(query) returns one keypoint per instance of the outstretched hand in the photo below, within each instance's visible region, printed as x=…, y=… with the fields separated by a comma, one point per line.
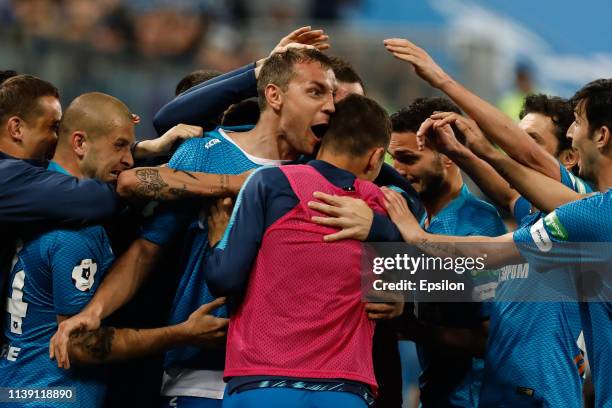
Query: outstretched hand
x=424, y=66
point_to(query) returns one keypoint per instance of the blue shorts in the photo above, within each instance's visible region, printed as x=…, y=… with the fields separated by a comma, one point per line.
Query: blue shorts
x=291, y=397
x=190, y=402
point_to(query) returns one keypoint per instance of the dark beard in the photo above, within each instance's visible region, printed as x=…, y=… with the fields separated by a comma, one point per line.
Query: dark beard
x=432, y=187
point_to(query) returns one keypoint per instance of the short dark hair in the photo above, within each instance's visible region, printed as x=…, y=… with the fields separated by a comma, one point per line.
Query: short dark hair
x=345, y=72
x=358, y=124
x=410, y=118
x=4, y=75
x=245, y=112
x=19, y=96
x=195, y=78
x=559, y=110
x=597, y=97
x=278, y=69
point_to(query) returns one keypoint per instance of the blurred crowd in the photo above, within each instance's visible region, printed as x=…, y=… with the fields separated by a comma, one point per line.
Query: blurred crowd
x=213, y=32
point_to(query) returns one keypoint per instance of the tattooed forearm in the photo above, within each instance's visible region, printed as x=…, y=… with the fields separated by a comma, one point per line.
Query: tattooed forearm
x=179, y=192
x=95, y=344
x=150, y=184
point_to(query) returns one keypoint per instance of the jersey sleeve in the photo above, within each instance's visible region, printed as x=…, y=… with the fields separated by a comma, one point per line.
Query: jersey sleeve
x=31, y=194
x=204, y=103
x=522, y=208
x=79, y=260
x=572, y=237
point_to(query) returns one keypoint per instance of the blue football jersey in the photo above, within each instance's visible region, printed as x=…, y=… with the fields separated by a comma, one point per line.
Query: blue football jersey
x=532, y=357
x=522, y=207
x=455, y=382
x=577, y=236
x=55, y=273
x=214, y=153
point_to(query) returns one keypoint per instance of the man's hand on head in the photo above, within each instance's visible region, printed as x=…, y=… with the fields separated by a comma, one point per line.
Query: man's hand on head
x=303, y=37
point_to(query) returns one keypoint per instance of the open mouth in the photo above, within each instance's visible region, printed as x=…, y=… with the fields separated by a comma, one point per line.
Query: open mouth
x=319, y=130
x=115, y=173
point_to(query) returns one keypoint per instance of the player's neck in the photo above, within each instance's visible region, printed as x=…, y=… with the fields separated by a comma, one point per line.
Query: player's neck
x=12, y=149
x=67, y=161
x=266, y=140
x=350, y=164
x=447, y=192
x=604, y=178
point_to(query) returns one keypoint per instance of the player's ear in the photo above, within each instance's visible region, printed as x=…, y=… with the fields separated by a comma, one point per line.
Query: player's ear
x=602, y=138
x=78, y=141
x=568, y=157
x=377, y=156
x=274, y=96
x=446, y=162
x=15, y=127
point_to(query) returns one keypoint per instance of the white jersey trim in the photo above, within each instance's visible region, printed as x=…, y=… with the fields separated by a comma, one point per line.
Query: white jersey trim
x=255, y=159
x=193, y=383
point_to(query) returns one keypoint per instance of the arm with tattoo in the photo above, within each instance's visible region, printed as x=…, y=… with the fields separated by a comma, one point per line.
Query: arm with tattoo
x=107, y=344
x=163, y=183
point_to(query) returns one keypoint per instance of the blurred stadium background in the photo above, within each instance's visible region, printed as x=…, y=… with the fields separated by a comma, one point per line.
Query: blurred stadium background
x=138, y=49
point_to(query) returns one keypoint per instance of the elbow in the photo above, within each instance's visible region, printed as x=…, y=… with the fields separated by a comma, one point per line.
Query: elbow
x=127, y=183
x=160, y=122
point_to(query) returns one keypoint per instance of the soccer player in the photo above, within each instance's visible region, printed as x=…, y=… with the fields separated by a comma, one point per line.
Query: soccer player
x=448, y=378
x=529, y=143
x=542, y=240
x=509, y=376
x=55, y=273
x=316, y=339
x=539, y=142
x=297, y=88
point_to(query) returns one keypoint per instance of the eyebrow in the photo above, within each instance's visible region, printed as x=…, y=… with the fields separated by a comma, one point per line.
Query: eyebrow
x=320, y=85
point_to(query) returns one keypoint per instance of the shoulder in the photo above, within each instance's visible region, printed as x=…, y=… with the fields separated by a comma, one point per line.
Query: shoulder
x=585, y=219
x=266, y=177
x=92, y=237
x=482, y=216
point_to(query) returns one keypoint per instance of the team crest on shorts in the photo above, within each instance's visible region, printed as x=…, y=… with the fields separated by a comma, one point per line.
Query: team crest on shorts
x=83, y=274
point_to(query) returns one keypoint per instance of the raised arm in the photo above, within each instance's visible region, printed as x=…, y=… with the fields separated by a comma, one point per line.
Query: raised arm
x=207, y=101
x=495, y=124
x=488, y=180
x=543, y=192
